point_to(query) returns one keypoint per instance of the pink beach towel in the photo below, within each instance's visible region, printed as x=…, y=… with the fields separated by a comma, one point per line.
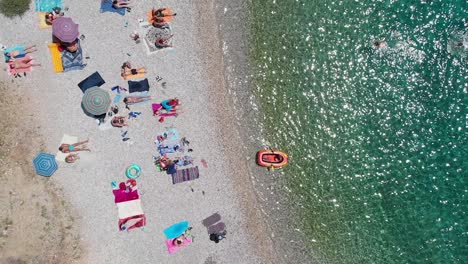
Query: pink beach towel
x=129, y=208
x=157, y=112
x=16, y=71
x=171, y=248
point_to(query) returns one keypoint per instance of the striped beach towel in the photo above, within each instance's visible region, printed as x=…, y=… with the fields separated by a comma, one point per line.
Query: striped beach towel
x=183, y=175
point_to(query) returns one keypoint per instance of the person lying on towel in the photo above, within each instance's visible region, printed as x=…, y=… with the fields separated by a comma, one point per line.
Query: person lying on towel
x=18, y=52
x=161, y=16
x=121, y=4
x=52, y=15
x=127, y=70
x=23, y=63
x=119, y=121
x=163, y=42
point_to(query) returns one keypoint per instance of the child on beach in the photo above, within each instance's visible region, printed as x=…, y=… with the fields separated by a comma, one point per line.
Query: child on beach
x=71, y=158
x=67, y=148
x=119, y=121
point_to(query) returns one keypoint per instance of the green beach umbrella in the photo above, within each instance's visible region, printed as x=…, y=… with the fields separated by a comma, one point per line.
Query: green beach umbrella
x=96, y=101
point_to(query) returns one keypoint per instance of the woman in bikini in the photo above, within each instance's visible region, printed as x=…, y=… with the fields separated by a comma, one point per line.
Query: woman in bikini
x=67, y=148
x=127, y=70
x=130, y=100
x=18, y=52
x=121, y=4
x=119, y=121
x=23, y=63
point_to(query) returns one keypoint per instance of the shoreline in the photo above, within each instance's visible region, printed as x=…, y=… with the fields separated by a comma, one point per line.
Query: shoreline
x=87, y=184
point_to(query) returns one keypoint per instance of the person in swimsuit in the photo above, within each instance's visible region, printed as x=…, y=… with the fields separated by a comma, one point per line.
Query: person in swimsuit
x=12, y=54
x=71, y=158
x=119, y=121
x=121, y=4
x=159, y=16
x=130, y=100
x=23, y=63
x=127, y=70
x=170, y=104
x=163, y=42
x=67, y=148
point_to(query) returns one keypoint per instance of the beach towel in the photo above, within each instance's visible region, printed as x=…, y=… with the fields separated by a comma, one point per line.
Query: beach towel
x=217, y=228
x=106, y=6
x=17, y=71
x=56, y=57
x=42, y=20
x=66, y=139
x=93, y=80
x=130, y=213
x=157, y=108
x=211, y=220
x=183, y=175
x=21, y=50
x=138, y=86
x=134, y=76
x=73, y=60
x=170, y=134
x=152, y=34
x=48, y=5
x=171, y=248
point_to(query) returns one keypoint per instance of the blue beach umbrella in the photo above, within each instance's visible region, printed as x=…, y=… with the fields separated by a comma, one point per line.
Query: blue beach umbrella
x=176, y=230
x=45, y=164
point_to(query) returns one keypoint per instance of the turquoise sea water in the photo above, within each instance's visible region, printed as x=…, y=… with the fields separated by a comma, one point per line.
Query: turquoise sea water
x=377, y=137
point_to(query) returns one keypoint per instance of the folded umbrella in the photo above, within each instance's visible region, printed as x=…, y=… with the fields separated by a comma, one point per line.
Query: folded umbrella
x=65, y=29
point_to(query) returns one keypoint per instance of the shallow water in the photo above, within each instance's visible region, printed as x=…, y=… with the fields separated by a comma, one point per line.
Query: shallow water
x=377, y=136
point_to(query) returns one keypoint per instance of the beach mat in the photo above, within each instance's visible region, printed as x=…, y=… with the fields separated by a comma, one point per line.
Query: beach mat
x=93, y=80
x=42, y=20
x=48, y=5
x=73, y=61
x=216, y=229
x=56, y=57
x=66, y=139
x=106, y=6
x=211, y=220
x=183, y=175
x=171, y=248
x=150, y=36
x=138, y=86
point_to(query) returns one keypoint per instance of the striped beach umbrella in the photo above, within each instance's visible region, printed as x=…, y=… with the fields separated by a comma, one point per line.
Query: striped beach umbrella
x=45, y=164
x=65, y=29
x=96, y=101
x=176, y=230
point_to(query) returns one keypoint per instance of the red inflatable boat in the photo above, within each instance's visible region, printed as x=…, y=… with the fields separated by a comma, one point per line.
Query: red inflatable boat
x=272, y=158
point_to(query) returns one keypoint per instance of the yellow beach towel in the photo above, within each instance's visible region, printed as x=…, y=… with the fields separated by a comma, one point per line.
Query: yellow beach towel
x=56, y=57
x=134, y=76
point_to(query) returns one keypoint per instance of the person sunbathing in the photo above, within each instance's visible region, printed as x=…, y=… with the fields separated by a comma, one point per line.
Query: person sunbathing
x=15, y=53
x=163, y=42
x=52, y=15
x=160, y=16
x=71, y=158
x=170, y=104
x=130, y=100
x=23, y=63
x=121, y=4
x=127, y=70
x=119, y=121
x=67, y=148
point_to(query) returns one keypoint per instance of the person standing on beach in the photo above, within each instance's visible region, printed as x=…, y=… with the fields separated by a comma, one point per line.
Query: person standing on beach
x=67, y=148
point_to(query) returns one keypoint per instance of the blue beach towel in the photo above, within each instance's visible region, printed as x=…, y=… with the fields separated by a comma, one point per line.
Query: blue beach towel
x=73, y=61
x=138, y=86
x=48, y=5
x=106, y=6
x=94, y=79
x=19, y=48
x=176, y=230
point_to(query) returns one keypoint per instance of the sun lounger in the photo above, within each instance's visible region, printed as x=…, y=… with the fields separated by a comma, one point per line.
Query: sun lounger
x=56, y=57
x=106, y=6
x=93, y=80
x=42, y=20
x=183, y=175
